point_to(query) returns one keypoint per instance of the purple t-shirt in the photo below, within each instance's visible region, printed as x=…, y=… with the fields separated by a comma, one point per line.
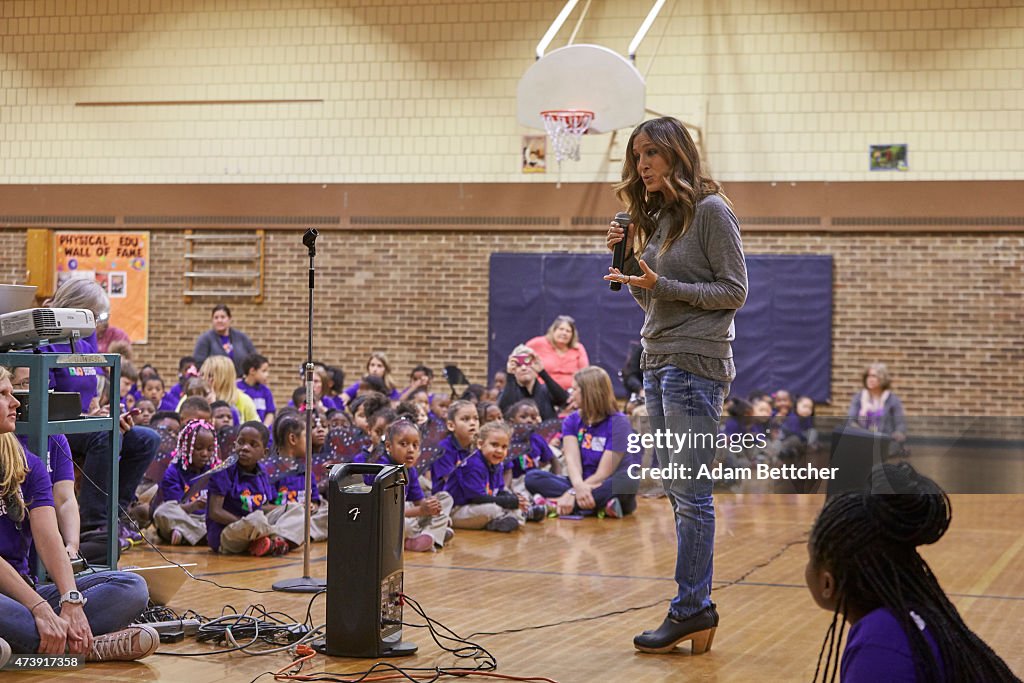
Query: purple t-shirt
x=538, y=452
x=451, y=456
x=243, y=492
x=261, y=396
x=354, y=389
x=796, y=425
x=610, y=434
x=78, y=380
x=177, y=481
x=333, y=403
x=15, y=538
x=878, y=649
x=58, y=457
x=291, y=487
x=225, y=343
x=171, y=399
x=413, y=490
x=475, y=477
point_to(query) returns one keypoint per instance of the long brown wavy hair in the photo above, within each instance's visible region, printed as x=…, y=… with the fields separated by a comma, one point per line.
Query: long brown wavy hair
x=687, y=184
x=13, y=469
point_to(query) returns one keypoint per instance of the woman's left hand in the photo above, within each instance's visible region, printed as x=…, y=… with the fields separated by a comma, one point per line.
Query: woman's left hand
x=79, y=631
x=645, y=281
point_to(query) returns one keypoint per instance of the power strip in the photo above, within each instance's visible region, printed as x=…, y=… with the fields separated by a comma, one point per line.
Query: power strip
x=187, y=626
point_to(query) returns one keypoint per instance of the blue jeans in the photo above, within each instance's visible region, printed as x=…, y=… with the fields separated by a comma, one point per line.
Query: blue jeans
x=139, y=446
x=619, y=485
x=115, y=599
x=682, y=402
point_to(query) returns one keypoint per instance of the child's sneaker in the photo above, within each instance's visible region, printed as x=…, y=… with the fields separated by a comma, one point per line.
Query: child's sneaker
x=536, y=513
x=503, y=524
x=419, y=544
x=613, y=509
x=128, y=644
x=126, y=532
x=449, y=534
x=261, y=546
x=5, y=652
x=279, y=546
x=176, y=537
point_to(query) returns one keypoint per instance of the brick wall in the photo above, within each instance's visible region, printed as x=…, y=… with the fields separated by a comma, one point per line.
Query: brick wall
x=12, y=261
x=403, y=91
x=944, y=311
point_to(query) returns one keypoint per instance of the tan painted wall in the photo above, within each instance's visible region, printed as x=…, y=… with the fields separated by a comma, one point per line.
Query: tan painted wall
x=425, y=92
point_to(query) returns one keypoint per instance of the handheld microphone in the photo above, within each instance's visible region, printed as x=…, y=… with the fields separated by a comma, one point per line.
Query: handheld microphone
x=619, y=253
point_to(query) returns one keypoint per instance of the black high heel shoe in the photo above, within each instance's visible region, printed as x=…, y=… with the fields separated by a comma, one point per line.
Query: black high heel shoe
x=698, y=629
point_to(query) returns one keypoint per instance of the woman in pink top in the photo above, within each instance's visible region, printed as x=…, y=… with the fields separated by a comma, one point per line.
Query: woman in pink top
x=560, y=350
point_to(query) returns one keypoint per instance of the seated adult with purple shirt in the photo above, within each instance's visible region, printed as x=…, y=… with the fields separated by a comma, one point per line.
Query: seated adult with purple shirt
x=863, y=566
x=139, y=444
x=62, y=475
x=594, y=444
x=223, y=340
x=89, y=616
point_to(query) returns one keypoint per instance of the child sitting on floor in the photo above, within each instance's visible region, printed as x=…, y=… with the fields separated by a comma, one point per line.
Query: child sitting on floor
x=477, y=487
x=235, y=518
x=427, y=520
x=222, y=415
x=181, y=516
x=290, y=440
x=463, y=423
x=529, y=449
x=153, y=389
x=186, y=368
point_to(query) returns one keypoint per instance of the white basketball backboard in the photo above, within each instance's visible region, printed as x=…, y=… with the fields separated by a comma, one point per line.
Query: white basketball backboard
x=589, y=77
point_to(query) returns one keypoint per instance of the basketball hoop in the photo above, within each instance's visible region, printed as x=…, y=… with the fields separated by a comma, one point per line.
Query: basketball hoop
x=565, y=127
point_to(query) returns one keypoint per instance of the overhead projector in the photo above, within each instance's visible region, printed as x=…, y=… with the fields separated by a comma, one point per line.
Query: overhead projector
x=34, y=327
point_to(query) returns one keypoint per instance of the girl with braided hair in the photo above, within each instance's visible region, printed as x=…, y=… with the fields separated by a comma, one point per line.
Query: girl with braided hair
x=864, y=567
x=181, y=516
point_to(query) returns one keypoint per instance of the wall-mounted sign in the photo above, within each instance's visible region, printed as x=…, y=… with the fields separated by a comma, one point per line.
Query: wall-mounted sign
x=889, y=158
x=119, y=261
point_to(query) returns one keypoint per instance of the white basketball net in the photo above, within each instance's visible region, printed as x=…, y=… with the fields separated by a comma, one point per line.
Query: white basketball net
x=565, y=127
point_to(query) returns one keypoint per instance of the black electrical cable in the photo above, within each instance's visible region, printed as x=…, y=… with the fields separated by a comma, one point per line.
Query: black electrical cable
x=271, y=629
x=160, y=553
x=659, y=601
x=441, y=635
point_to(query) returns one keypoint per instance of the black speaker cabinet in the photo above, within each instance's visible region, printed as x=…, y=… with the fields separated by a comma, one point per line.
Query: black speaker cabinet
x=364, y=562
x=855, y=451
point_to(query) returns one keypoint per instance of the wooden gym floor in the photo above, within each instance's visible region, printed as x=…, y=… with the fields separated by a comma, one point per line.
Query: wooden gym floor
x=770, y=629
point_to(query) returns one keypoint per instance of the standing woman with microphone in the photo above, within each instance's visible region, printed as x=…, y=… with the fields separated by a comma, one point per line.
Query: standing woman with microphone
x=690, y=279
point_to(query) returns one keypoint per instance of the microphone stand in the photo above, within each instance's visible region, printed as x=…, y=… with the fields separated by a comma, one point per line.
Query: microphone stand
x=306, y=583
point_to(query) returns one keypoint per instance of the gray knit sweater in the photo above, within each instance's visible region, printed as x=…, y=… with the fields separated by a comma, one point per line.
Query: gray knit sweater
x=702, y=280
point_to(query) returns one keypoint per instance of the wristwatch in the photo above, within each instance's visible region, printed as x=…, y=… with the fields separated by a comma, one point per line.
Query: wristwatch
x=73, y=598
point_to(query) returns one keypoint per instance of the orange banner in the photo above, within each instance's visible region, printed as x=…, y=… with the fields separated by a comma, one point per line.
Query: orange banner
x=117, y=260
